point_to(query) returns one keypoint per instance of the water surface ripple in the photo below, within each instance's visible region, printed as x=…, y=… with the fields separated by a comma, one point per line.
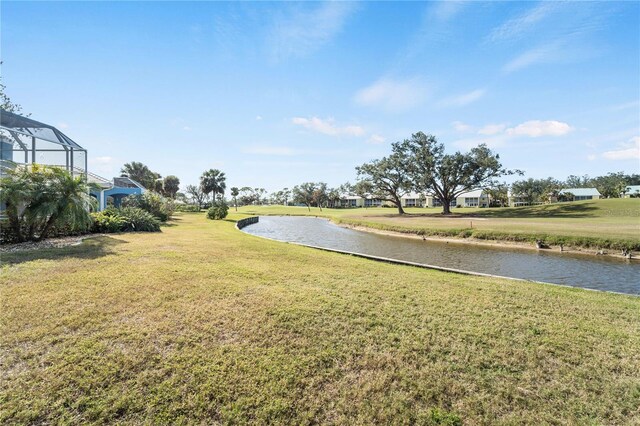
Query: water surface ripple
x=599, y=273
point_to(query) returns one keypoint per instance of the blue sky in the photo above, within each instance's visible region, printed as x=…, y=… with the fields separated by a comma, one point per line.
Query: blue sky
x=275, y=94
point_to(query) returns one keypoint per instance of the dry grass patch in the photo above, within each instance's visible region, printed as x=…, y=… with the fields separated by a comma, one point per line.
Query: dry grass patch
x=204, y=324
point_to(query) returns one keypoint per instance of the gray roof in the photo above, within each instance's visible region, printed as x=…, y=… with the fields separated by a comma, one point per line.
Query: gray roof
x=14, y=123
x=581, y=192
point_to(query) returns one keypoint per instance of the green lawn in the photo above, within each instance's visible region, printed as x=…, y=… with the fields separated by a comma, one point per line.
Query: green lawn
x=204, y=324
x=598, y=222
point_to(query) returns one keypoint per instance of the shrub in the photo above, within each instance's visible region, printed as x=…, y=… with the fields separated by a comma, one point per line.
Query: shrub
x=187, y=208
x=43, y=201
x=151, y=202
x=107, y=222
x=126, y=219
x=138, y=220
x=218, y=210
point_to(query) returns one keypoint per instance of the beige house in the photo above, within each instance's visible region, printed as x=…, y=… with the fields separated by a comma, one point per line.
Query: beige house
x=477, y=198
x=580, y=194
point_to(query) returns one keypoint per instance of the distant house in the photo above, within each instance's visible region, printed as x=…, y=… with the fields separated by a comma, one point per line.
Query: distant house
x=631, y=191
x=477, y=198
x=580, y=194
x=412, y=199
x=517, y=200
x=348, y=200
x=114, y=190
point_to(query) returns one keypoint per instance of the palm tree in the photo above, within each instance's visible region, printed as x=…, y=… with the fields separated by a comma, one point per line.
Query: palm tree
x=234, y=193
x=213, y=180
x=65, y=201
x=37, y=198
x=15, y=191
x=141, y=174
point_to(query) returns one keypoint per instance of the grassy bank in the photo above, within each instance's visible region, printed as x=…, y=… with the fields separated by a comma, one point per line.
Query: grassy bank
x=204, y=324
x=606, y=224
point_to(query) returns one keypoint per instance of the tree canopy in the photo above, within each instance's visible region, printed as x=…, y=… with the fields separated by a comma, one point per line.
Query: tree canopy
x=140, y=173
x=446, y=176
x=388, y=179
x=213, y=181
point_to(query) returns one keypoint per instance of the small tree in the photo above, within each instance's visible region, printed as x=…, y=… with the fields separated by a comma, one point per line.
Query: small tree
x=170, y=186
x=535, y=190
x=304, y=193
x=320, y=196
x=234, y=193
x=218, y=210
x=196, y=194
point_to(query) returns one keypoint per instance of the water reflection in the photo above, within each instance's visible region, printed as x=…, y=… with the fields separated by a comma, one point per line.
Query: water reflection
x=600, y=273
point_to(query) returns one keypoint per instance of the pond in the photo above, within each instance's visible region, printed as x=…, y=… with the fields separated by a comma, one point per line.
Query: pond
x=586, y=271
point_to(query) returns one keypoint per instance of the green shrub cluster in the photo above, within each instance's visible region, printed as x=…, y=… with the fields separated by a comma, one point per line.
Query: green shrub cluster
x=187, y=208
x=43, y=201
x=151, y=202
x=126, y=219
x=218, y=210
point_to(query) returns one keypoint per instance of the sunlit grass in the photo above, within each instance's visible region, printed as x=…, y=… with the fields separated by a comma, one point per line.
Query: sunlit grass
x=205, y=324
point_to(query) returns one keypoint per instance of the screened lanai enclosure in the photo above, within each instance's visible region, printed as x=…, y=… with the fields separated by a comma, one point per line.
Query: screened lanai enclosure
x=27, y=141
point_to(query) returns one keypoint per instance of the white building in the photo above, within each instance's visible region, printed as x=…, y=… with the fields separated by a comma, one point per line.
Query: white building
x=580, y=194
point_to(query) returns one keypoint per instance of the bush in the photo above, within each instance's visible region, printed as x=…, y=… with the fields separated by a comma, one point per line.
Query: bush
x=127, y=219
x=43, y=201
x=107, y=222
x=187, y=208
x=151, y=202
x=139, y=220
x=218, y=210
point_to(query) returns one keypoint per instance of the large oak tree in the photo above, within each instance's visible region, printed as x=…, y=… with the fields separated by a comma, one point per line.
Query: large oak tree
x=446, y=176
x=388, y=178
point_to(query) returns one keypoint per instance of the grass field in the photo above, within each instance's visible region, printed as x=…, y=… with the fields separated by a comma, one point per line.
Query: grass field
x=598, y=223
x=205, y=324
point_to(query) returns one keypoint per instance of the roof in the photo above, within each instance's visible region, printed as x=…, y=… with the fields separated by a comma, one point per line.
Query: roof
x=412, y=195
x=478, y=193
x=581, y=192
x=14, y=123
x=632, y=189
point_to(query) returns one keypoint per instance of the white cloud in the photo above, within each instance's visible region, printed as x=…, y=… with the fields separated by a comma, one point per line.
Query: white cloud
x=328, y=127
x=626, y=151
x=537, y=128
x=464, y=99
x=258, y=117
x=495, y=135
x=531, y=57
x=445, y=10
x=591, y=157
x=393, y=95
x=268, y=150
x=376, y=139
x=461, y=127
x=63, y=126
x=186, y=128
x=516, y=27
x=492, y=129
x=304, y=32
